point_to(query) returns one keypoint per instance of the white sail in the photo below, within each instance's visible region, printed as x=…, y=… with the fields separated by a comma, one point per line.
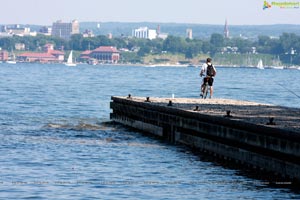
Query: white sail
x=260, y=64
x=70, y=60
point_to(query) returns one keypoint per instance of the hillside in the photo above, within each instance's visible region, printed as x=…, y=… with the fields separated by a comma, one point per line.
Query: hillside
x=199, y=30
x=179, y=29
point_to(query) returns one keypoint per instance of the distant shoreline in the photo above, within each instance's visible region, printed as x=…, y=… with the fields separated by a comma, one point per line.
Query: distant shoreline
x=294, y=67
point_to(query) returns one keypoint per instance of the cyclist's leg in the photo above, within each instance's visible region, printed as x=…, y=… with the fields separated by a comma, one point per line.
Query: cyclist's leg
x=211, y=90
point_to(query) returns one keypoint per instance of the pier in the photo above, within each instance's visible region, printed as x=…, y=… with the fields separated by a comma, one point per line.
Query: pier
x=263, y=136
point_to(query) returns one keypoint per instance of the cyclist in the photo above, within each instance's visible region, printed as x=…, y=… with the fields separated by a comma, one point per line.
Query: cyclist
x=209, y=71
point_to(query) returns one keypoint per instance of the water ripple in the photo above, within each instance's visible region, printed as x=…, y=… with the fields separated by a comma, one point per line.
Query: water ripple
x=57, y=141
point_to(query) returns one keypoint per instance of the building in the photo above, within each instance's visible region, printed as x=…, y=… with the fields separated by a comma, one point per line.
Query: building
x=48, y=56
x=160, y=34
x=17, y=30
x=3, y=55
x=189, y=34
x=85, y=56
x=103, y=54
x=144, y=32
x=45, y=30
x=65, y=30
x=106, y=54
x=109, y=36
x=37, y=57
x=4, y=34
x=20, y=46
x=88, y=34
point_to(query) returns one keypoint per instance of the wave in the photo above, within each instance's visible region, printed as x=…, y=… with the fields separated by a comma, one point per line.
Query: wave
x=78, y=125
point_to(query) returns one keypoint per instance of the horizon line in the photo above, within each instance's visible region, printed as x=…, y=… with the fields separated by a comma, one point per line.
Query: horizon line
x=188, y=23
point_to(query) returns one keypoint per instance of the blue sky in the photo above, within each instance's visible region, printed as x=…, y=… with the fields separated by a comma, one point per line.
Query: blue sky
x=237, y=12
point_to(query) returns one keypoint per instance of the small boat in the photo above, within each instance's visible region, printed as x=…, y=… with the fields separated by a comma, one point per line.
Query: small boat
x=191, y=65
x=260, y=64
x=11, y=62
x=277, y=67
x=12, y=59
x=70, y=62
x=92, y=61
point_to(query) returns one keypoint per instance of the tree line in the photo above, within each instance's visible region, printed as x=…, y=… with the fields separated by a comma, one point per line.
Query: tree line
x=286, y=47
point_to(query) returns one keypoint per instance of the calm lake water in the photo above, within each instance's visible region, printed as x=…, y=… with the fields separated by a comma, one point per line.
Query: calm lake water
x=56, y=142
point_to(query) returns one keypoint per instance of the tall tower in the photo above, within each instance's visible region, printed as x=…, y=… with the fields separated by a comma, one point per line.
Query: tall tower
x=158, y=29
x=189, y=33
x=226, y=30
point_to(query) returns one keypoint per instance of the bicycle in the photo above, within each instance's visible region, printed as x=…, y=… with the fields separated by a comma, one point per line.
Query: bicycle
x=205, y=88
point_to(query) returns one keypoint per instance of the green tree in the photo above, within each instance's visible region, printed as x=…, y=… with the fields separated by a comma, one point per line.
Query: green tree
x=189, y=53
x=217, y=40
x=243, y=45
x=206, y=47
x=60, y=43
x=119, y=42
x=104, y=41
x=90, y=43
x=288, y=41
x=7, y=43
x=173, y=44
x=76, y=42
x=130, y=57
x=144, y=50
x=156, y=45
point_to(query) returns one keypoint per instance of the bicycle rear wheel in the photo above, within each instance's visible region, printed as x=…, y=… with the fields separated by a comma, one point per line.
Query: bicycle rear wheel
x=205, y=91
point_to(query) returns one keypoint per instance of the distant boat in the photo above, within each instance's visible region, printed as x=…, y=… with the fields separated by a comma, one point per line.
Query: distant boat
x=277, y=64
x=12, y=59
x=11, y=62
x=92, y=61
x=191, y=65
x=277, y=67
x=260, y=64
x=70, y=60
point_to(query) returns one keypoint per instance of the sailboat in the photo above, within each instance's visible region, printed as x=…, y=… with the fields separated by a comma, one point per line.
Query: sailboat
x=12, y=58
x=260, y=64
x=276, y=64
x=70, y=60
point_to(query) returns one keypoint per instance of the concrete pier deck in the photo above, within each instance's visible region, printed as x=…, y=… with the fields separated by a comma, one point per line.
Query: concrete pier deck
x=261, y=135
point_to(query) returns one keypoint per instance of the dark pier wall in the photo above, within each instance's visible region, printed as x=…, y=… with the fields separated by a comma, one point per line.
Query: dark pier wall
x=267, y=148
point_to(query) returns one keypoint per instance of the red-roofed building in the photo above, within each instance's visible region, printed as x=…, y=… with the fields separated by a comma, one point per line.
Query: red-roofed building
x=3, y=55
x=60, y=56
x=85, y=56
x=37, y=57
x=49, y=55
x=106, y=54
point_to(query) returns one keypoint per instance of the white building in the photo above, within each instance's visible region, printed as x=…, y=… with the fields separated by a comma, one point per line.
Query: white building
x=16, y=30
x=144, y=32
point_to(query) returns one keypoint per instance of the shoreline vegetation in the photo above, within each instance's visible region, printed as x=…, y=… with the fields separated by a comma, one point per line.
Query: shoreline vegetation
x=179, y=60
x=167, y=65
x=232, y=51
x=219, y=59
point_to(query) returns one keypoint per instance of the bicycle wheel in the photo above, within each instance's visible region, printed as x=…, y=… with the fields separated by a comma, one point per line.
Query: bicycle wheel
x=205, y=91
